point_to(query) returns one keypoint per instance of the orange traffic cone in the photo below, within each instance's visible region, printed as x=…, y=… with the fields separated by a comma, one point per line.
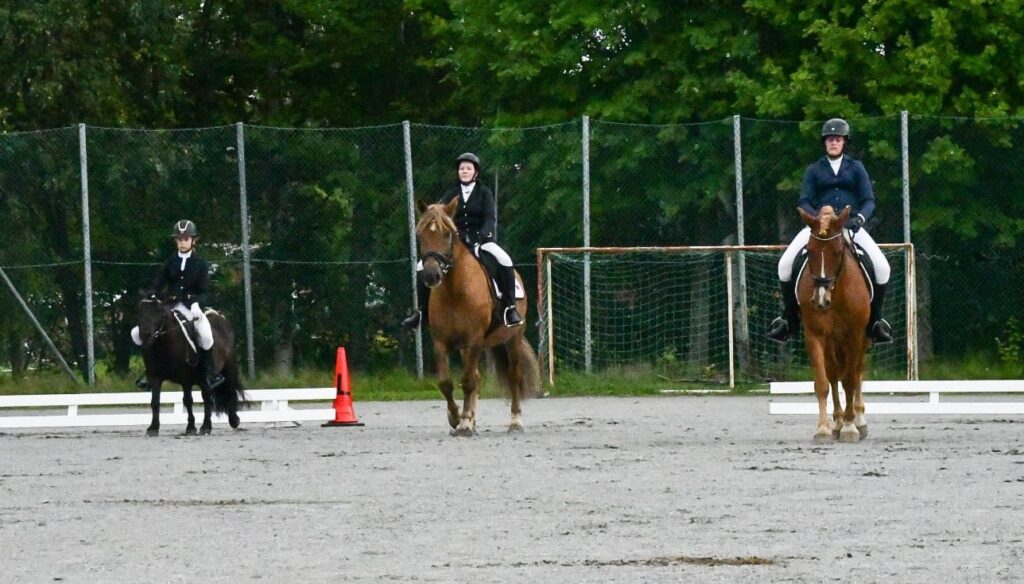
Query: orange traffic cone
x=344, y=415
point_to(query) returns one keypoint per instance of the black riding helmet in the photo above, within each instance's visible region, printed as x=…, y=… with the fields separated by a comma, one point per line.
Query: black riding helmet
x=185, y=228
x=836, y=127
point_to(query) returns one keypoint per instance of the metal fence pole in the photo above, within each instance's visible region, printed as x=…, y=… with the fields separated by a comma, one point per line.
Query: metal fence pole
x=905, y=155
x=742, y=323
x=39, y=327
x=250, y=351
x=411, y=211
x=90, y=344
x=587, y=353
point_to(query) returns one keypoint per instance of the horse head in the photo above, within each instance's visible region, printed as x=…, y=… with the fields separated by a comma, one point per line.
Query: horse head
x=436, y=234
x=151, y=316
x=825, y=250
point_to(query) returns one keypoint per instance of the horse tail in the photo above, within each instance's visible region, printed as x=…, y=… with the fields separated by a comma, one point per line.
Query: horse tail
x=529, y=369
x=230, y=395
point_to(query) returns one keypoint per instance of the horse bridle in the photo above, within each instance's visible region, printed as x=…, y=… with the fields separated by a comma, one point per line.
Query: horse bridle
x=445, y=262
x=162, y=329
x=830, y=283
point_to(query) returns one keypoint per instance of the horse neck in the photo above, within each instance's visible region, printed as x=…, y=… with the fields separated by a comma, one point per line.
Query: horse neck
x=465, y=269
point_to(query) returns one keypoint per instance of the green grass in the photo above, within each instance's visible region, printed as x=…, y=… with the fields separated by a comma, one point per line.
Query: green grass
x=396, y=385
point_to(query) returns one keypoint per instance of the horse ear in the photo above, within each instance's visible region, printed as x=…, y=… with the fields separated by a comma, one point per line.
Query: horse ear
x=452, y=207
x=421, y=206
x=844, y=215
x=807, y=217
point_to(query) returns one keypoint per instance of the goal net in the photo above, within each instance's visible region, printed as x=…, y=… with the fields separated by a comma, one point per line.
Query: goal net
x=691, y=314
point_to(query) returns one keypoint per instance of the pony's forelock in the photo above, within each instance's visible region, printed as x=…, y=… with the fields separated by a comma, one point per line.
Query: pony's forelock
x=435, y=214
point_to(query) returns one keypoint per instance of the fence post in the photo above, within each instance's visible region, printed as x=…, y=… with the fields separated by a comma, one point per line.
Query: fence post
x=742, y=324
x=587, y=354
x=250, y=352
x=905, y=155
x=411, y=211
x=90, y=345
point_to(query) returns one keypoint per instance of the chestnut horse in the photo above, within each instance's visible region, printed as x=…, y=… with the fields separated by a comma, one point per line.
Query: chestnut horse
x=835, y=305
x=459, y=316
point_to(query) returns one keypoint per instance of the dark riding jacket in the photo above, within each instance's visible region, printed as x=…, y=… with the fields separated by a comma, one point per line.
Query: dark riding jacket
x=476, y=218
x=851, y=186
x=189, y=285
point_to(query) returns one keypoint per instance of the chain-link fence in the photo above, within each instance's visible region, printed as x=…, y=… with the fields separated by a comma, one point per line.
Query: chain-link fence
x=308, y=231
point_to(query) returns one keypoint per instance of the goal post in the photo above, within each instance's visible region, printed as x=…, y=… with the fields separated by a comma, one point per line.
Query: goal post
x=691, y=314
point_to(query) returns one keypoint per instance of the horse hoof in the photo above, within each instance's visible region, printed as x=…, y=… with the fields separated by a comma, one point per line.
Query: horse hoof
x=152, y=432
x=849, y=436
x=515, y=428
x=863, y=430
x=233, y=420
x=823, y=438
x=190, y=431
x=835, y=434
x=205, y=431
x=462, y=432
x=453, y=420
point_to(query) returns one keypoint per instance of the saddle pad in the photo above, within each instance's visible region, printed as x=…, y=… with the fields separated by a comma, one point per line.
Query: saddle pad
x=520, y=292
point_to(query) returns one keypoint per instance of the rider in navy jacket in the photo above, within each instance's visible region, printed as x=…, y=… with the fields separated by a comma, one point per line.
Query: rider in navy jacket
x=838, y=181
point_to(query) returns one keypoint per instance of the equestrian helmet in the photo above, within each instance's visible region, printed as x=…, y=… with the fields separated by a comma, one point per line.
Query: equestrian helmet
x=468, y=157
x=836, y=127
x=184, y=228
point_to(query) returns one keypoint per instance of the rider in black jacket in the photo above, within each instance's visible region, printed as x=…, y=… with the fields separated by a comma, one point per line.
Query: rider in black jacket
x=476, y=218
x=187, y=279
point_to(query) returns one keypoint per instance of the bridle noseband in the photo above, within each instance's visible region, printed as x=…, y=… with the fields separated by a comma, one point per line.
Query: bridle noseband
x=444, y=261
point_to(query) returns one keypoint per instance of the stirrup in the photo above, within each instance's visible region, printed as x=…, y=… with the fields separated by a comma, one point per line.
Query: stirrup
x=881, y=332
x=511, y=317
x=214, y=381
x=413, y=321
x=141, y=382
x=778, y=330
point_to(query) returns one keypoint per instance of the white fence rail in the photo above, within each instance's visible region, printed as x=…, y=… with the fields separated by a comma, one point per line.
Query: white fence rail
x=265, y=405
x=1013, y=388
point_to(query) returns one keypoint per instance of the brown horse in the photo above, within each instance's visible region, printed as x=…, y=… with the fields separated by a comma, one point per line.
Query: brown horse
x=835, y=307
x=169, y=355
x=460, y=317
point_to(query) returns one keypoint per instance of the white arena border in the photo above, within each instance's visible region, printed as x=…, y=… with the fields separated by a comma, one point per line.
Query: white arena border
x=265, y=405
x=933, y=388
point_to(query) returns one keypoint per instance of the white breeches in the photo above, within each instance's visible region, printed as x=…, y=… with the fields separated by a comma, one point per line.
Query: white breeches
x=862, y=238
x=202, y=324
x=499, y=254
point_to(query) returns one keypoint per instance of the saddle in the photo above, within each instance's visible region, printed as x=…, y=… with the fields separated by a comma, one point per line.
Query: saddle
x=183, y=316
x=497, y=309
x=867, y=268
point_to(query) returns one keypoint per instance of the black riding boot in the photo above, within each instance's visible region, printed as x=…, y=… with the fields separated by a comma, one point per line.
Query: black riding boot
x=786, y=325
x=207, y=376
x=879, y=329
x=507, y=283
x=420, y=314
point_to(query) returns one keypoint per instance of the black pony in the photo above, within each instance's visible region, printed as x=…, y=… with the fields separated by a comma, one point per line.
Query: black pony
x=170, y=355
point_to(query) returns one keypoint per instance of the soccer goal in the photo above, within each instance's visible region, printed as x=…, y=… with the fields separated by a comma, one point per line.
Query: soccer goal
x=693, y=314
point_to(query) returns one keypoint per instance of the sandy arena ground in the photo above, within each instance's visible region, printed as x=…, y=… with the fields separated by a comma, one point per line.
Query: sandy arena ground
x=673, y=489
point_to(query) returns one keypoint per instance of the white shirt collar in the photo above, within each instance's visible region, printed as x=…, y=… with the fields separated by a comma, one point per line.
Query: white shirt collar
x=184, y=258
x=835, y=164
x=467, y=190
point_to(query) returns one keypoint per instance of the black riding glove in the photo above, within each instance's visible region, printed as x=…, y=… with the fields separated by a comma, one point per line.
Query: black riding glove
x=855, y=223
